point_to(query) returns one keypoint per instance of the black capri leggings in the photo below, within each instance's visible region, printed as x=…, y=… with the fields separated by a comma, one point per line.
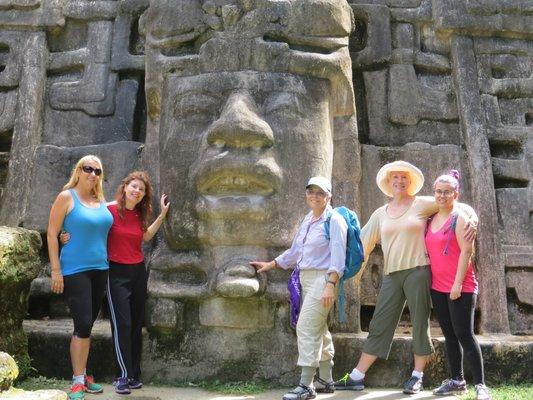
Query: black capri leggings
x=84, y=292
x=456, y=319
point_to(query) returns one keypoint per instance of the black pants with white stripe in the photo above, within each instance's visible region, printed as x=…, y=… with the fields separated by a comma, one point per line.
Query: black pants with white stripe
x=126, y=294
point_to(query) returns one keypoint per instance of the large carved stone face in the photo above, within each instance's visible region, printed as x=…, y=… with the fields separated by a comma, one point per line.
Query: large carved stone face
x=241, y=101
x=237, y=149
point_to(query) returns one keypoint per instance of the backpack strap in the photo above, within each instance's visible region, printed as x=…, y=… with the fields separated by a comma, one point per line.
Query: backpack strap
x=451, y=231
x=453, y=222
x=326, y=223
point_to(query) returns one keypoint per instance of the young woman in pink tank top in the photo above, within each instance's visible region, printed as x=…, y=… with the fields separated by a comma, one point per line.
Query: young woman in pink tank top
x=454, y=287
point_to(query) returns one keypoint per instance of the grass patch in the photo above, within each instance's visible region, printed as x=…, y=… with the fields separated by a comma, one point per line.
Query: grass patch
x=41, y=382
x=231, y=388
x=507, y=392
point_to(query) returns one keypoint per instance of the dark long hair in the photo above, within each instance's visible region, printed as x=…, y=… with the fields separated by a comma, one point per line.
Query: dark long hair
x=145, y=205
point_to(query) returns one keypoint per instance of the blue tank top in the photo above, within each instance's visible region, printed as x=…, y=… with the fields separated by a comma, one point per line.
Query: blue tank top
x=87, y=247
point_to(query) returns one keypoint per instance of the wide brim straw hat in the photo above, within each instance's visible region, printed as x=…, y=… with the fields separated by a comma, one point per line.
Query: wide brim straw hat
x=417, y=178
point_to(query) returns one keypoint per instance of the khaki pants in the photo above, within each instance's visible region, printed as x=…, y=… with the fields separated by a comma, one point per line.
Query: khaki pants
x=411, y=285
x=314, y=339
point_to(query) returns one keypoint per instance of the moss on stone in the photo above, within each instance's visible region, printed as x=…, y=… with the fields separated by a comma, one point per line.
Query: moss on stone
x=19, y=265
x=19, y=254
x=8, y=371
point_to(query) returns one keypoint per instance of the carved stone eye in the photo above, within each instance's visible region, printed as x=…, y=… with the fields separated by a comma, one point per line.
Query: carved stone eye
x=198, y=106
x=283, y=102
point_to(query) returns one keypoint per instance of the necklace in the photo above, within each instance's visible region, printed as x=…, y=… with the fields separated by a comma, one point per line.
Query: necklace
x=402, y=214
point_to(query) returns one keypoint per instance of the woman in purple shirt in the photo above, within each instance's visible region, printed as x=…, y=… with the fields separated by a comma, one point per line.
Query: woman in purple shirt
x=321, y=263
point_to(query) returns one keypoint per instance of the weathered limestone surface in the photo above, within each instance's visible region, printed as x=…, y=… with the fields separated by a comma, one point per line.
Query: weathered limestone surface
x=19, y=265
x=502, y=354
x=9, y=372
x=247, y=101
x=19, y=394
x=232, y=105
x=506, y=357
x=49, y=343
x=457, y=73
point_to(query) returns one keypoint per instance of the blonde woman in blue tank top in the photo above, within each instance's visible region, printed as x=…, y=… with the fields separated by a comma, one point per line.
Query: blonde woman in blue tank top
x=80, y=269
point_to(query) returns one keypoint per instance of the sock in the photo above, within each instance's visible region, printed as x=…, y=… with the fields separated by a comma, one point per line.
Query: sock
x=357, y=375
x=325, y=370
x=308, y=373
x=417, y=374
x=78, y=379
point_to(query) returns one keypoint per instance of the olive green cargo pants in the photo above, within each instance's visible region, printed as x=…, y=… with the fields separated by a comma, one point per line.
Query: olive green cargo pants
x=411, y=286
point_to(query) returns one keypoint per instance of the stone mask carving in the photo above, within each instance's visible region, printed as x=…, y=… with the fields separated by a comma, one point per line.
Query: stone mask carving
x=241, y=99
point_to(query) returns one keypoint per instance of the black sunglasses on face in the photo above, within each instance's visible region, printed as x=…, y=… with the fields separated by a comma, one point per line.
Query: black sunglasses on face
x=89, y=170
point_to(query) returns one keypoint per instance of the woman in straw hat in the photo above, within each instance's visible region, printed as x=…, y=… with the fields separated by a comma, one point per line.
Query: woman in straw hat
x=399, y=226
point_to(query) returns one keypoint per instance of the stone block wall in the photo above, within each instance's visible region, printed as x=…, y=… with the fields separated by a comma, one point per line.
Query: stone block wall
x=456, y=78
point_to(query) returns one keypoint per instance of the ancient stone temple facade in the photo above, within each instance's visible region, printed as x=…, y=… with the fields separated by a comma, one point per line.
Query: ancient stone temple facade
x=232, y=105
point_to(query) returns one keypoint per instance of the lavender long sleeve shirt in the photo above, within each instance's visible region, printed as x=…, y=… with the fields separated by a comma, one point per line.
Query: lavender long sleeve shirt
x=311, y=250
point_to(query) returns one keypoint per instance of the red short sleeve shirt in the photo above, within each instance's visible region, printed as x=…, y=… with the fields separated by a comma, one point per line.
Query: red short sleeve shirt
x=125, y=237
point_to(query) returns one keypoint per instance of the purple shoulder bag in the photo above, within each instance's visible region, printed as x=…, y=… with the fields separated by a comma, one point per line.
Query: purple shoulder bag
x=295, y=295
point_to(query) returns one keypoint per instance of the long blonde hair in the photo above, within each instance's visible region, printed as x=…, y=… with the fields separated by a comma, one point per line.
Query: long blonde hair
x=98, y=190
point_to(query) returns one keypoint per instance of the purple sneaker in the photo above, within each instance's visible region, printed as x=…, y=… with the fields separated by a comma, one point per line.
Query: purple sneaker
x=450, y=386
x=135, y=384
x=121, y=386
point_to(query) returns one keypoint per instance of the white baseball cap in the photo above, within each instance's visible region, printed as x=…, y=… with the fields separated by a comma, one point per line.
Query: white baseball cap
x=321, y=182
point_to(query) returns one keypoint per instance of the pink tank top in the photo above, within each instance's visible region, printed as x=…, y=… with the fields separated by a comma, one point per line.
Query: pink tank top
x=443, y=251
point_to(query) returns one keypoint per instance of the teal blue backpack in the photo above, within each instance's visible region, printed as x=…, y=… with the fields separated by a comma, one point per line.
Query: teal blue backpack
x=354, y=252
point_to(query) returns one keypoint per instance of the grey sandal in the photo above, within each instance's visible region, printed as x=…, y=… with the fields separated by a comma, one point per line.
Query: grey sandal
x=301, y=392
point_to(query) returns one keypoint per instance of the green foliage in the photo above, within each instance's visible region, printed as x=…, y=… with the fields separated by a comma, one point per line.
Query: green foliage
x=25, y=369
x=41, y=383
x=506, y=392
x=231, y=388
x=235, y=387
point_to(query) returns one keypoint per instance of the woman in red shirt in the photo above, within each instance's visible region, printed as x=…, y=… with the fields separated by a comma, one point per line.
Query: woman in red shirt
x=454, y=287
x=126, y=291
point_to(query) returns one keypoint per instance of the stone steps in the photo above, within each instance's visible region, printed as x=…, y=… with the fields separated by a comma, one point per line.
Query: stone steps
x=508, y=359
x=48, y=347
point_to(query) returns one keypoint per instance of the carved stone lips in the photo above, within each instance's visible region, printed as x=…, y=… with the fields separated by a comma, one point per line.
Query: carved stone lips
x=236, y=187
x=239, y=176
x=231, y=183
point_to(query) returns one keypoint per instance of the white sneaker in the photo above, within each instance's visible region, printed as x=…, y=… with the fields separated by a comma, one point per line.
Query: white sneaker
x=482, y=393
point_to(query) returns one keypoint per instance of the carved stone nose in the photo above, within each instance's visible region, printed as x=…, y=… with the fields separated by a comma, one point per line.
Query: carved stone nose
x=240, y=126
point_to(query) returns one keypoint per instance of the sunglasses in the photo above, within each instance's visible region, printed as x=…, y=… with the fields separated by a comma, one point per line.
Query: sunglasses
x=89, y=170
